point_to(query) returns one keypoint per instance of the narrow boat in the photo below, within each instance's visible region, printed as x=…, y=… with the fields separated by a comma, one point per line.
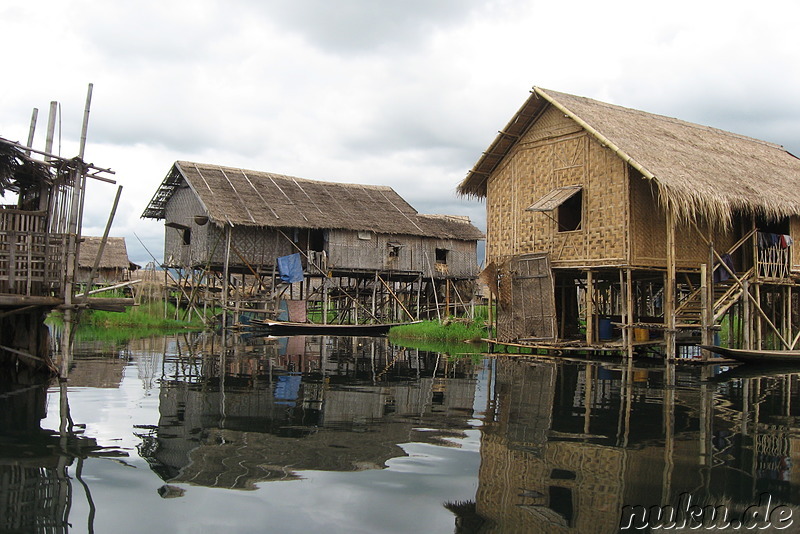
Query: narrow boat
x=289, y=328
x=757, y=356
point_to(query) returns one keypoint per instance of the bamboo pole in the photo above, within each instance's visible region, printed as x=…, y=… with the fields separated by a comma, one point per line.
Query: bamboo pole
x=225, y=274
x=704, y=309
x=589, y=305
x=669, y=286
x=51, y=132
x=629, y=306
x=103, y=240
x=746, y=327
x=394, y=296
x=32, y=129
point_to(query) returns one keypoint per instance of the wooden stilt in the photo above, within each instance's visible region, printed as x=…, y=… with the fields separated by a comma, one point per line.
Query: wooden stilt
x=669, y=288
x=629, y=309
x=706, y=302
x=590, y=311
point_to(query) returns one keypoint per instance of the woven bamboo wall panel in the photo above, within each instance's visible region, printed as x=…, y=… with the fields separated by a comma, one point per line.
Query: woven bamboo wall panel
x=551, y=124
x=605, y=206
x=31, y=259
x=535, y=169
x=649, y=229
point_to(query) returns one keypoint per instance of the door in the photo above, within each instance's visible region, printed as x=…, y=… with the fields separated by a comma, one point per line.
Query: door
x=527, y=300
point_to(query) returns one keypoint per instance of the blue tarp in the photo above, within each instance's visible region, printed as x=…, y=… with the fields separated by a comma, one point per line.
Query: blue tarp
x=290, y=268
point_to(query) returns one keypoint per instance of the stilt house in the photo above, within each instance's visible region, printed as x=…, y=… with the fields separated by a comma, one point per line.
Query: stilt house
x=606, y=223
x=114, y=266
x=229, y=220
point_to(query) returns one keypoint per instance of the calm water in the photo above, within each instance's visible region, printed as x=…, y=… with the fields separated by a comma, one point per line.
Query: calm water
x=320, y=434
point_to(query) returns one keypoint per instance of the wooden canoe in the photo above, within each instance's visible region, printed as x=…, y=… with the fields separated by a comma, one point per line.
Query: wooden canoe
x=289, y=328
x=757, y=356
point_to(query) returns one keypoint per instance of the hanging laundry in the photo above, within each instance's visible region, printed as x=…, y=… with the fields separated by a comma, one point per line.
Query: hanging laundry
x=290, y=268
x=721, y=273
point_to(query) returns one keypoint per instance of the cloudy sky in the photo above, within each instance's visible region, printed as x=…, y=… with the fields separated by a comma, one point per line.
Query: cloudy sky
x=405, y=93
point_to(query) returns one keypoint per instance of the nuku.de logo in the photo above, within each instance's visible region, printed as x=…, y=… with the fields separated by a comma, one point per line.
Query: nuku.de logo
x=686, y=515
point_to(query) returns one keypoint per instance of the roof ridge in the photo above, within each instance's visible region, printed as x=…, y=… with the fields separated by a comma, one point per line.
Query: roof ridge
x=287, y=177
x=667, y=118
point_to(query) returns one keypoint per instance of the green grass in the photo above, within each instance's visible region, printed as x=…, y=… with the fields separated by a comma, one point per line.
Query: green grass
x=444, y=347
x=147, y=317
x=447, y=331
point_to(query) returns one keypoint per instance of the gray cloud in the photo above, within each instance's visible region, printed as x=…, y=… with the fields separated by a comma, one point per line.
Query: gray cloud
x=367, y=26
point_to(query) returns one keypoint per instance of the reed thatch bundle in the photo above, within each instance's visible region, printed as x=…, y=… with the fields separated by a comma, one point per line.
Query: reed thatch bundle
x=699, y=171
x=241, y=197
x=18, y=171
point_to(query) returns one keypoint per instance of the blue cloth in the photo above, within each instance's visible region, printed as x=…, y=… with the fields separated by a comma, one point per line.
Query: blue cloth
x=290, y=268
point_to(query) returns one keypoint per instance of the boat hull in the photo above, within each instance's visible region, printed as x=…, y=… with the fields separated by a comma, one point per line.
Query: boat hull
x=278, y=328
x=757, y=356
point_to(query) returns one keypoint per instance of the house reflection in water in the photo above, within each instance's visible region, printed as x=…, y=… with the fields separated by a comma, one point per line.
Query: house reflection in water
x=40, y=469
x=282, y=406
x=565, y=446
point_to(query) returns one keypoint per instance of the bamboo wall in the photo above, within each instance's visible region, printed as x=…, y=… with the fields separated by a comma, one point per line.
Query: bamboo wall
x=31, y=258
x=182, y=209
x=649, y=231
x=622, y=220
x=556, y=152
x=794, y=223
x=346, y=250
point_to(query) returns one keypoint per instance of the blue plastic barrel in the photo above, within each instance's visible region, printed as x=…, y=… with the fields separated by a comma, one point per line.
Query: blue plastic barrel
x=605, y=329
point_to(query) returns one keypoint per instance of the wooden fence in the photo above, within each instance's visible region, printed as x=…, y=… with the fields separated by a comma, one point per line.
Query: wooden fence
x=32, y=261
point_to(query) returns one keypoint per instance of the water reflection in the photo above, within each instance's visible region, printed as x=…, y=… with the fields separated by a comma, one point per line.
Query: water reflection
x=36, y=486
x=272, y=408
x=544, y=445
x=566, y=446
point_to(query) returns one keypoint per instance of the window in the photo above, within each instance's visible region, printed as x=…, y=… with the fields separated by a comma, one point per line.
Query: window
x=316, y=240
x=441, y=256
x=187, y=236
x=570, y=213
x=567, y=202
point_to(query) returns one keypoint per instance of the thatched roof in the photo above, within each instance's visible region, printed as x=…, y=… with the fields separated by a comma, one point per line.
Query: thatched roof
x=240, y=197
x=18, y=171
x=115, y=253
x=699, y=170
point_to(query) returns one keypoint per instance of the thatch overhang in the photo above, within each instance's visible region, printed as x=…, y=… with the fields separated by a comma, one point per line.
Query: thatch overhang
x=699, y=171
x=239, y=197
x=18, y=171
x=115, y=253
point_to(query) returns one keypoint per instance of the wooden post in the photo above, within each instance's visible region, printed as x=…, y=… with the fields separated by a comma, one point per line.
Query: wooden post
x=590, y=315
x=419, y=294
x=375, y=294
x=705, y=303
x=788, y=313
x=669, y=287
x=490, y=315
x=225, y=274
x=757, y=318
x=446, y=297
x=746, y=324
x=627, y=333
x=629, y=309
x=324, y=301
